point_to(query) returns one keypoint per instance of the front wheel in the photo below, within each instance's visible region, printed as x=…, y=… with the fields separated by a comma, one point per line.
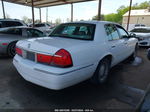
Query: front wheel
x=102, y=71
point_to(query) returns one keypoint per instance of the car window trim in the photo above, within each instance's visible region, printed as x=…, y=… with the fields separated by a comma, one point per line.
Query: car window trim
x=116, y=29
x=122, y=29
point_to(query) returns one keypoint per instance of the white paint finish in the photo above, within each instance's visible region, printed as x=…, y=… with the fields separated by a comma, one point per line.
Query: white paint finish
x=85, y=56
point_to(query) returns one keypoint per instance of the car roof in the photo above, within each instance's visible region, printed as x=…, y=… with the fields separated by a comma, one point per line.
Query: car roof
x=95, y=22
x=10, y=20
x=21, y=27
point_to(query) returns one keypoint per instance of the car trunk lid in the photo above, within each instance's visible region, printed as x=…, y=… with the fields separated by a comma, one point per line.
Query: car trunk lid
x=49, y=45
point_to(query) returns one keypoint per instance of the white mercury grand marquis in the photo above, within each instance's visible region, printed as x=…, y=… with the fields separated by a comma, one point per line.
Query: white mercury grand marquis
x=74, y=52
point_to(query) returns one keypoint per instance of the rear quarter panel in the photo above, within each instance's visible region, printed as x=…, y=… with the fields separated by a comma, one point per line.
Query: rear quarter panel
x=92, y=52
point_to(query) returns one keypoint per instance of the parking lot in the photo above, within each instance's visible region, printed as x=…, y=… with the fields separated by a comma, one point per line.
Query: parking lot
x=123, y=91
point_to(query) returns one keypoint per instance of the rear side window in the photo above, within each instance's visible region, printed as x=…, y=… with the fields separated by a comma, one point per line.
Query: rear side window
x=12, y=31
x=11, y=23
x=34, y=33
x=75, y=31
x=112, y=33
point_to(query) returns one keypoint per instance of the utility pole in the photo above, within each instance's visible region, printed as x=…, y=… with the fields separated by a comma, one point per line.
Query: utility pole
x=33, y=12
x=40, y=15
x=3, y=9
x=47, y=14
x=129, y=15
x=71, y=12
x=99, y=10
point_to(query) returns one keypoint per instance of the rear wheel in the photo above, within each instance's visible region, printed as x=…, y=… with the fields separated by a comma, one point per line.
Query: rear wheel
x=102, y=71
x=11, y=49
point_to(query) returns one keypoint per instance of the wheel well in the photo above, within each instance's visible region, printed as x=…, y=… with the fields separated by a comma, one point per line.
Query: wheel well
x=108, y=57
x=10, y=43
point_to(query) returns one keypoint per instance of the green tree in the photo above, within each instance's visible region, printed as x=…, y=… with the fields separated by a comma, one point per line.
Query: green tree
x=96, y=17
x=117, y=17
x=58, y=21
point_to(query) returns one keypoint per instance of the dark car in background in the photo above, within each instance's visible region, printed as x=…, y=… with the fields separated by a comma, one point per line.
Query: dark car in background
x=7, y=23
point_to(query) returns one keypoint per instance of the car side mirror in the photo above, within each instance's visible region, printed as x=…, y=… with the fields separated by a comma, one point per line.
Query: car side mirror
x=148, y=54
x=132, y=35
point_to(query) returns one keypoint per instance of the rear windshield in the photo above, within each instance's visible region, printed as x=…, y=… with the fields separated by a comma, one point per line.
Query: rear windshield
x=141, y=30
x=75, y=31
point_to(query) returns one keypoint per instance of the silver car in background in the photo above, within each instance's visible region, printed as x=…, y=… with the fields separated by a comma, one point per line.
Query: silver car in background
x=143, y=35
x=44, y=27
x=9, y=37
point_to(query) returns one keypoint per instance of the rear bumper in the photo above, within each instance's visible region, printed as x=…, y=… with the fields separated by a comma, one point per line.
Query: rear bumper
x=51, y=77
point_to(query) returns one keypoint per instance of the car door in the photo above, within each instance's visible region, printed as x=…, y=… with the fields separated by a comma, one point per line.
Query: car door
x=128, y=45
x=115, y=44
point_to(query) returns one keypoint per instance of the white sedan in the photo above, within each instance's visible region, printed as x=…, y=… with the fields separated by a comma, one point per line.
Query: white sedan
x=74, y=52
x=143, y=35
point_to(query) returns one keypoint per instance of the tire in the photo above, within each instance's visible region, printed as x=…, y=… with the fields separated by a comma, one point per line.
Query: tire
x=134, y=54
x=102, y=71
x=11, y=49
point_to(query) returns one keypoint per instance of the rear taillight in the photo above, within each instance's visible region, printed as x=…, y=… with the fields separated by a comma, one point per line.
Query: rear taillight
x=62, y=58
x=44, y=58
x=18, y=51
x=4, y=43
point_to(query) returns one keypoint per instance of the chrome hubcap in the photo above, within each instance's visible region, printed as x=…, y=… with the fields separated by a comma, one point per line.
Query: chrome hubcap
x=103, y=72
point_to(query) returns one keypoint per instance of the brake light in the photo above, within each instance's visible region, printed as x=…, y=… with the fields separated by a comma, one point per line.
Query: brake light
x=4, y=43
x=19, y=51
x=44, y=58
x=62, y=58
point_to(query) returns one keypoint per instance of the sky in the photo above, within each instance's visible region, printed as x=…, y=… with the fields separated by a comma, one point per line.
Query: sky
x=85, y=10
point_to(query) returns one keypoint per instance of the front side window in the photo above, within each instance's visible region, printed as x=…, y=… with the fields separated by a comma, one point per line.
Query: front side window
x=122, y=32
x=11, y=23
x=75, y=31
x=112, y=33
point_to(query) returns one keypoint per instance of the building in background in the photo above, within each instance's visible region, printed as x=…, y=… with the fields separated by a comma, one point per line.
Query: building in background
x=139, y=16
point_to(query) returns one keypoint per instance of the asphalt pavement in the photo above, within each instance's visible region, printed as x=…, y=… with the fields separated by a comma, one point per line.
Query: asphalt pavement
x=123, y=91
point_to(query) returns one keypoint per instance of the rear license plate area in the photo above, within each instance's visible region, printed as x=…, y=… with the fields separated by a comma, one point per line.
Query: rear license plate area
x=30, y=56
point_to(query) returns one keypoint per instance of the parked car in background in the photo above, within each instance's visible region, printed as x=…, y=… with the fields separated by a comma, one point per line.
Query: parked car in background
x=74, y=52
x=143, y=35
x=9, y=37
x=6, y=23
x=139, y=25
x=44, y=27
